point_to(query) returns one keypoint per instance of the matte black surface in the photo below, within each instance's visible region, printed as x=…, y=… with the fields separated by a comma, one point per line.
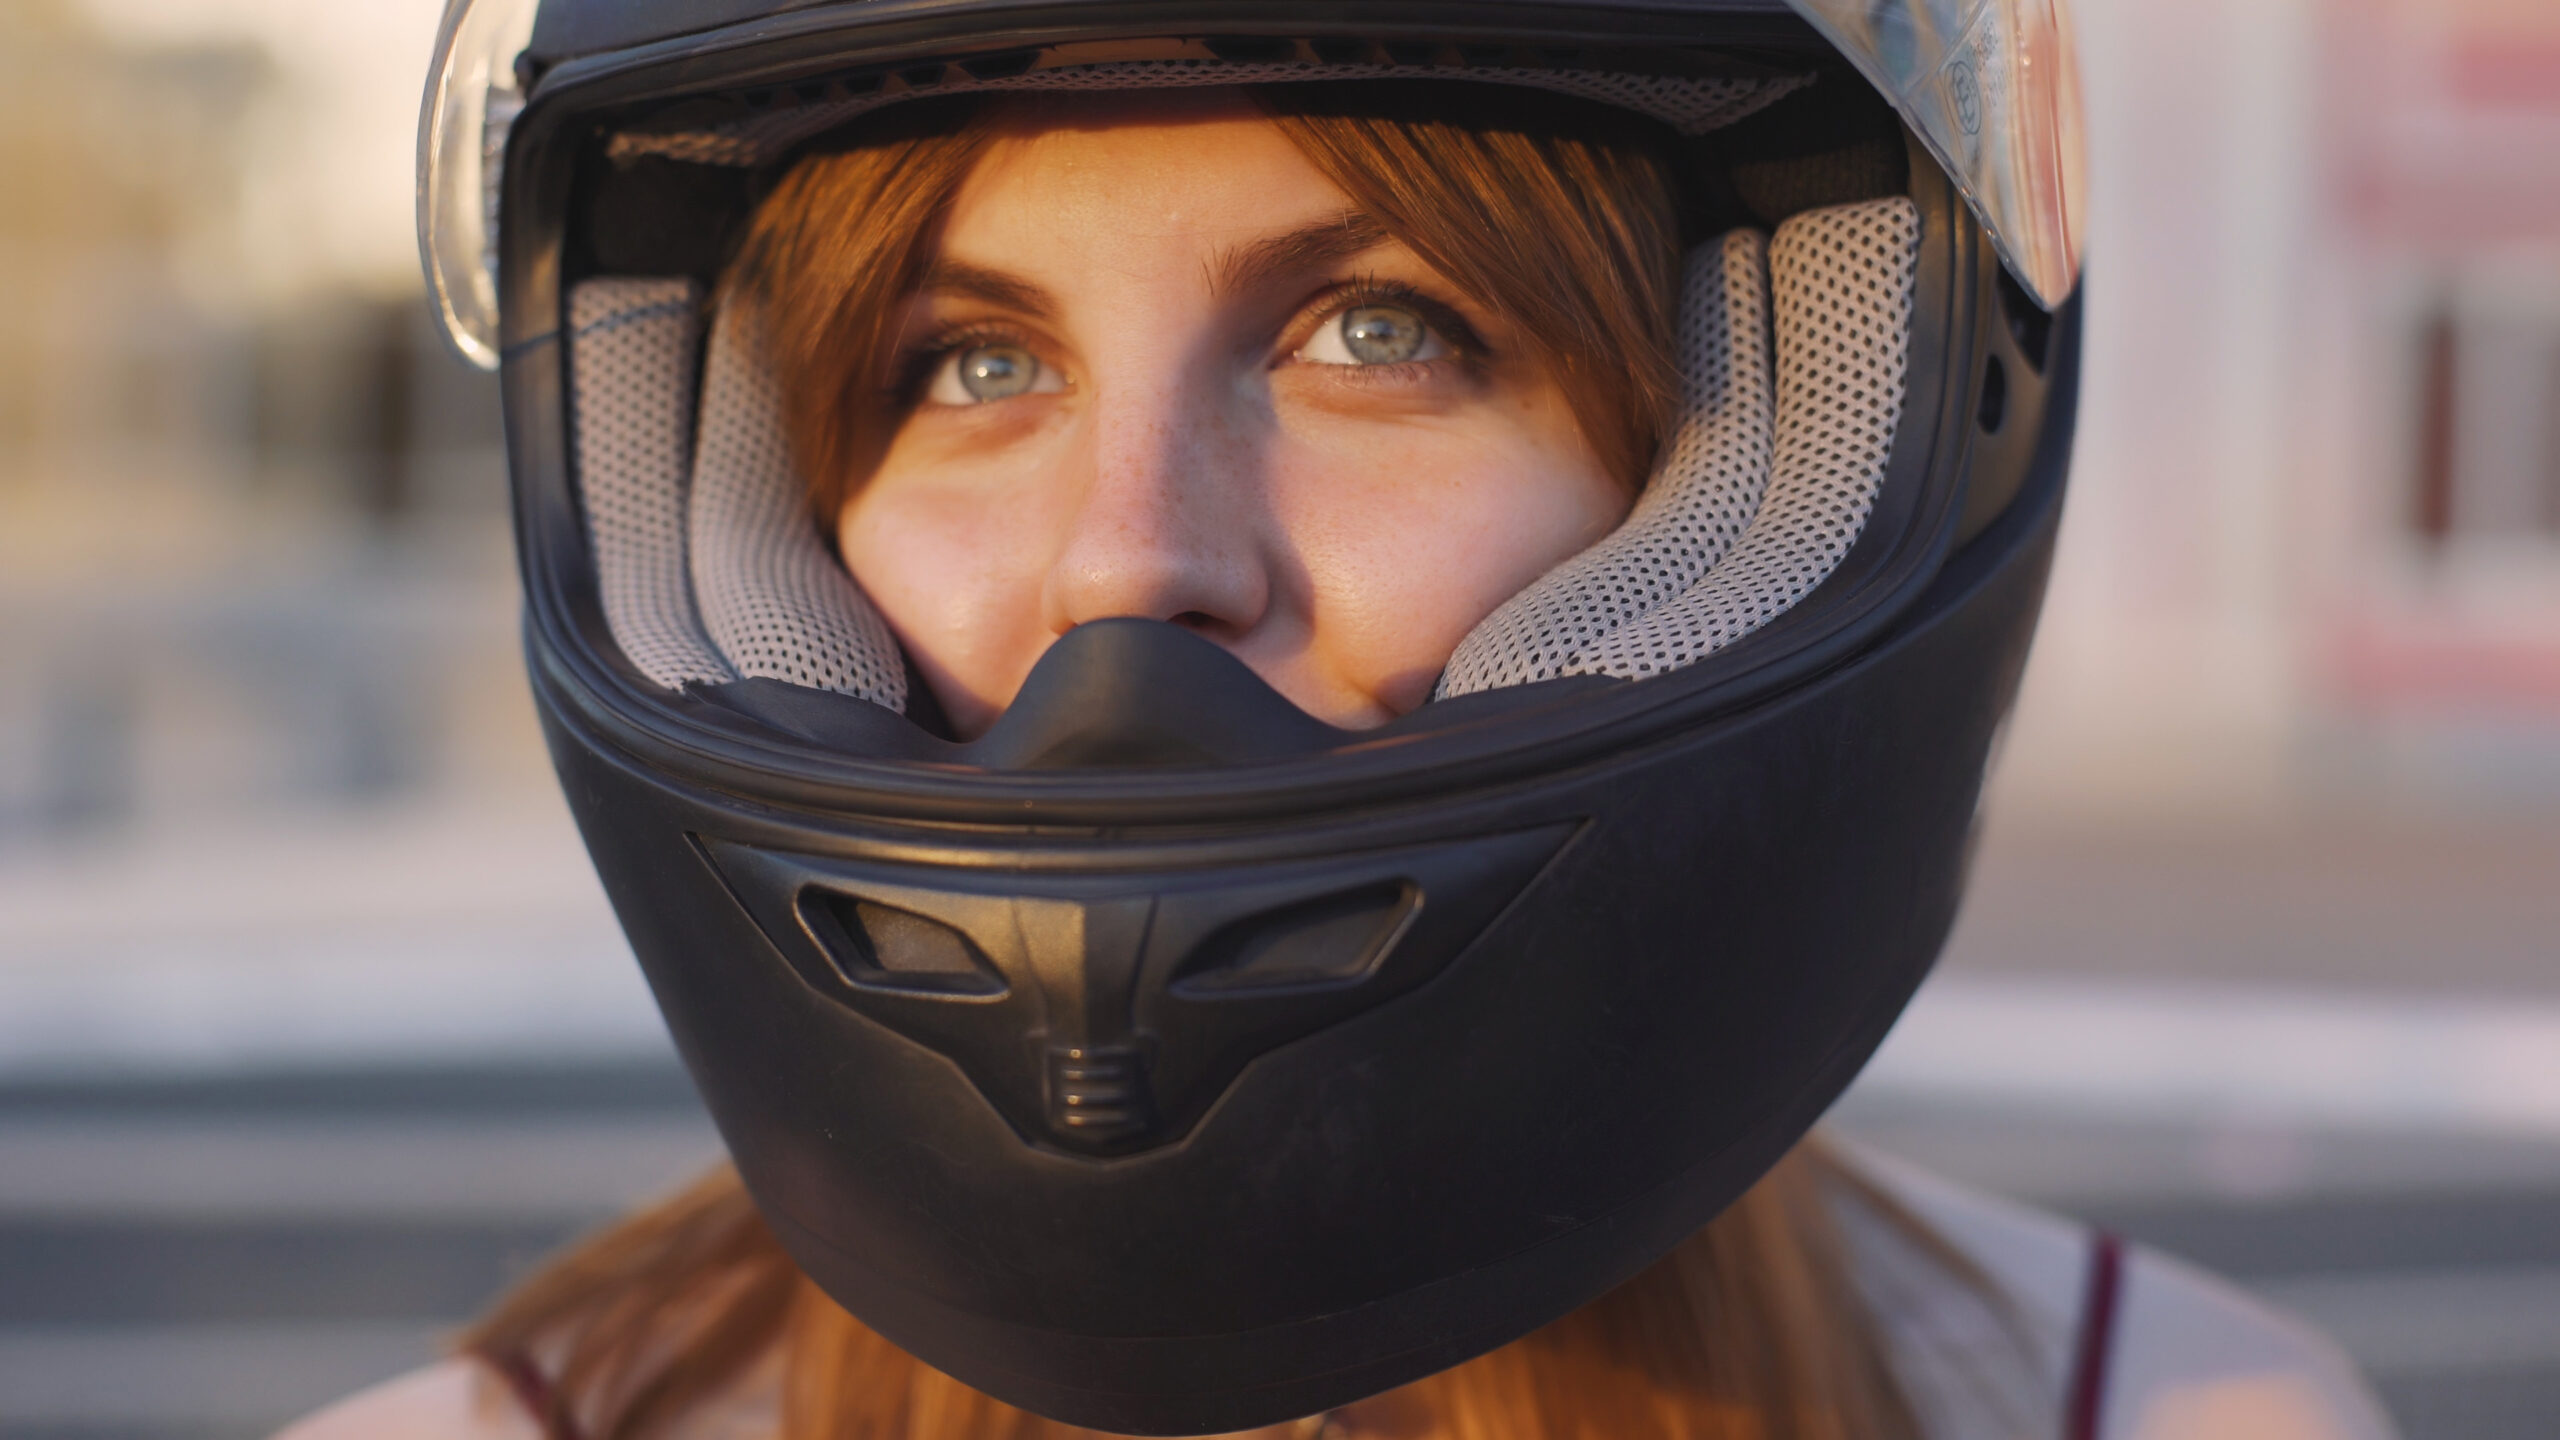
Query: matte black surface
x=565, y=29
x=1119, y=692
x=1103, y=1014
x=1678, y=1042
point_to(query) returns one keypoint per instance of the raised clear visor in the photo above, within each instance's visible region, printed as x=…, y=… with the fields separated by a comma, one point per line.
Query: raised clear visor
x=1993, y=88
x=472, y=97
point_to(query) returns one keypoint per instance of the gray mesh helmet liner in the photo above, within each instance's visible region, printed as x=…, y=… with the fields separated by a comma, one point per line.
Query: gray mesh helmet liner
x=774, y=599
x=632, y=345
x=1769, y=479
x=1699, y=502
x=1734, y=529
x=1688, y=104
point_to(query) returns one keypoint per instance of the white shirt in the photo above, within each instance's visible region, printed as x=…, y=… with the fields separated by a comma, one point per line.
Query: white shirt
x=2189, y=1356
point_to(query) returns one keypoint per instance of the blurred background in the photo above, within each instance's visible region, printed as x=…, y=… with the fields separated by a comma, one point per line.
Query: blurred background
x=314, y=1028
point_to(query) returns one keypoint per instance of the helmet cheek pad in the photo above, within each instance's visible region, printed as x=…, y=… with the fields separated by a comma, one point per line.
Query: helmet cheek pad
x=1168, y=1062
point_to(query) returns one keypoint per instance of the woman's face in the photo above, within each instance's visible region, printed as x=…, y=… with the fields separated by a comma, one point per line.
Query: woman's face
x=1160, y=367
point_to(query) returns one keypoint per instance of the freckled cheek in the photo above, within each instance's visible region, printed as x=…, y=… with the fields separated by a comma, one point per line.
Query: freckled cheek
x=956, y=571
x=1408, y=540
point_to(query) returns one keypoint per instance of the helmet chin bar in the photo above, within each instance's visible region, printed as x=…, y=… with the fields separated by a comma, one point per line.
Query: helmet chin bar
x=1103, y=1015
x=1195, y=1130
x=1167, y=1062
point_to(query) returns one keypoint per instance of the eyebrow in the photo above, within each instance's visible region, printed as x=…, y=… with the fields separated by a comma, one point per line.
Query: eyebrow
x=1309, y=247
x=1010, y=292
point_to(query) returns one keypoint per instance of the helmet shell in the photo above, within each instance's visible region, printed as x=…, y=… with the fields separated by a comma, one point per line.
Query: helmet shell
x=1210, y=1095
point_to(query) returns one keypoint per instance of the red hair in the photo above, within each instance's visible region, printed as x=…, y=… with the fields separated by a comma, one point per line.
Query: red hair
x=1559, y=215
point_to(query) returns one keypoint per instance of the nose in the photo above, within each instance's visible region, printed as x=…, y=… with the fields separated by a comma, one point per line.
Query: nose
x=1165, y=524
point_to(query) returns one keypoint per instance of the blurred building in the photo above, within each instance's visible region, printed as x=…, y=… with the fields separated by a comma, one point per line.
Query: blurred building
x=2443, y=177
x=252, y=548
x=2313, y=554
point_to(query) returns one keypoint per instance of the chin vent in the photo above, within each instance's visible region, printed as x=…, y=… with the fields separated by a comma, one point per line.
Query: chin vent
x=1105, y=1013
x=884, y=947
x=1328, y=941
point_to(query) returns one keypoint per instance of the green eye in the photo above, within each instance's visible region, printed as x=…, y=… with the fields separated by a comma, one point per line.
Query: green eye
x=1375, y=334
x=1382, y=334
x=997, y=372
x=989, y=371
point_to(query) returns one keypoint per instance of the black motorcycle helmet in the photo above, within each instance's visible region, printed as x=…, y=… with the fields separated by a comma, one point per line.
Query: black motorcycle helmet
x=1166, y=1061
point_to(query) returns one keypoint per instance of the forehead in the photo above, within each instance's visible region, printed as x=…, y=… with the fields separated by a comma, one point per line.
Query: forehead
x=1138, y=169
